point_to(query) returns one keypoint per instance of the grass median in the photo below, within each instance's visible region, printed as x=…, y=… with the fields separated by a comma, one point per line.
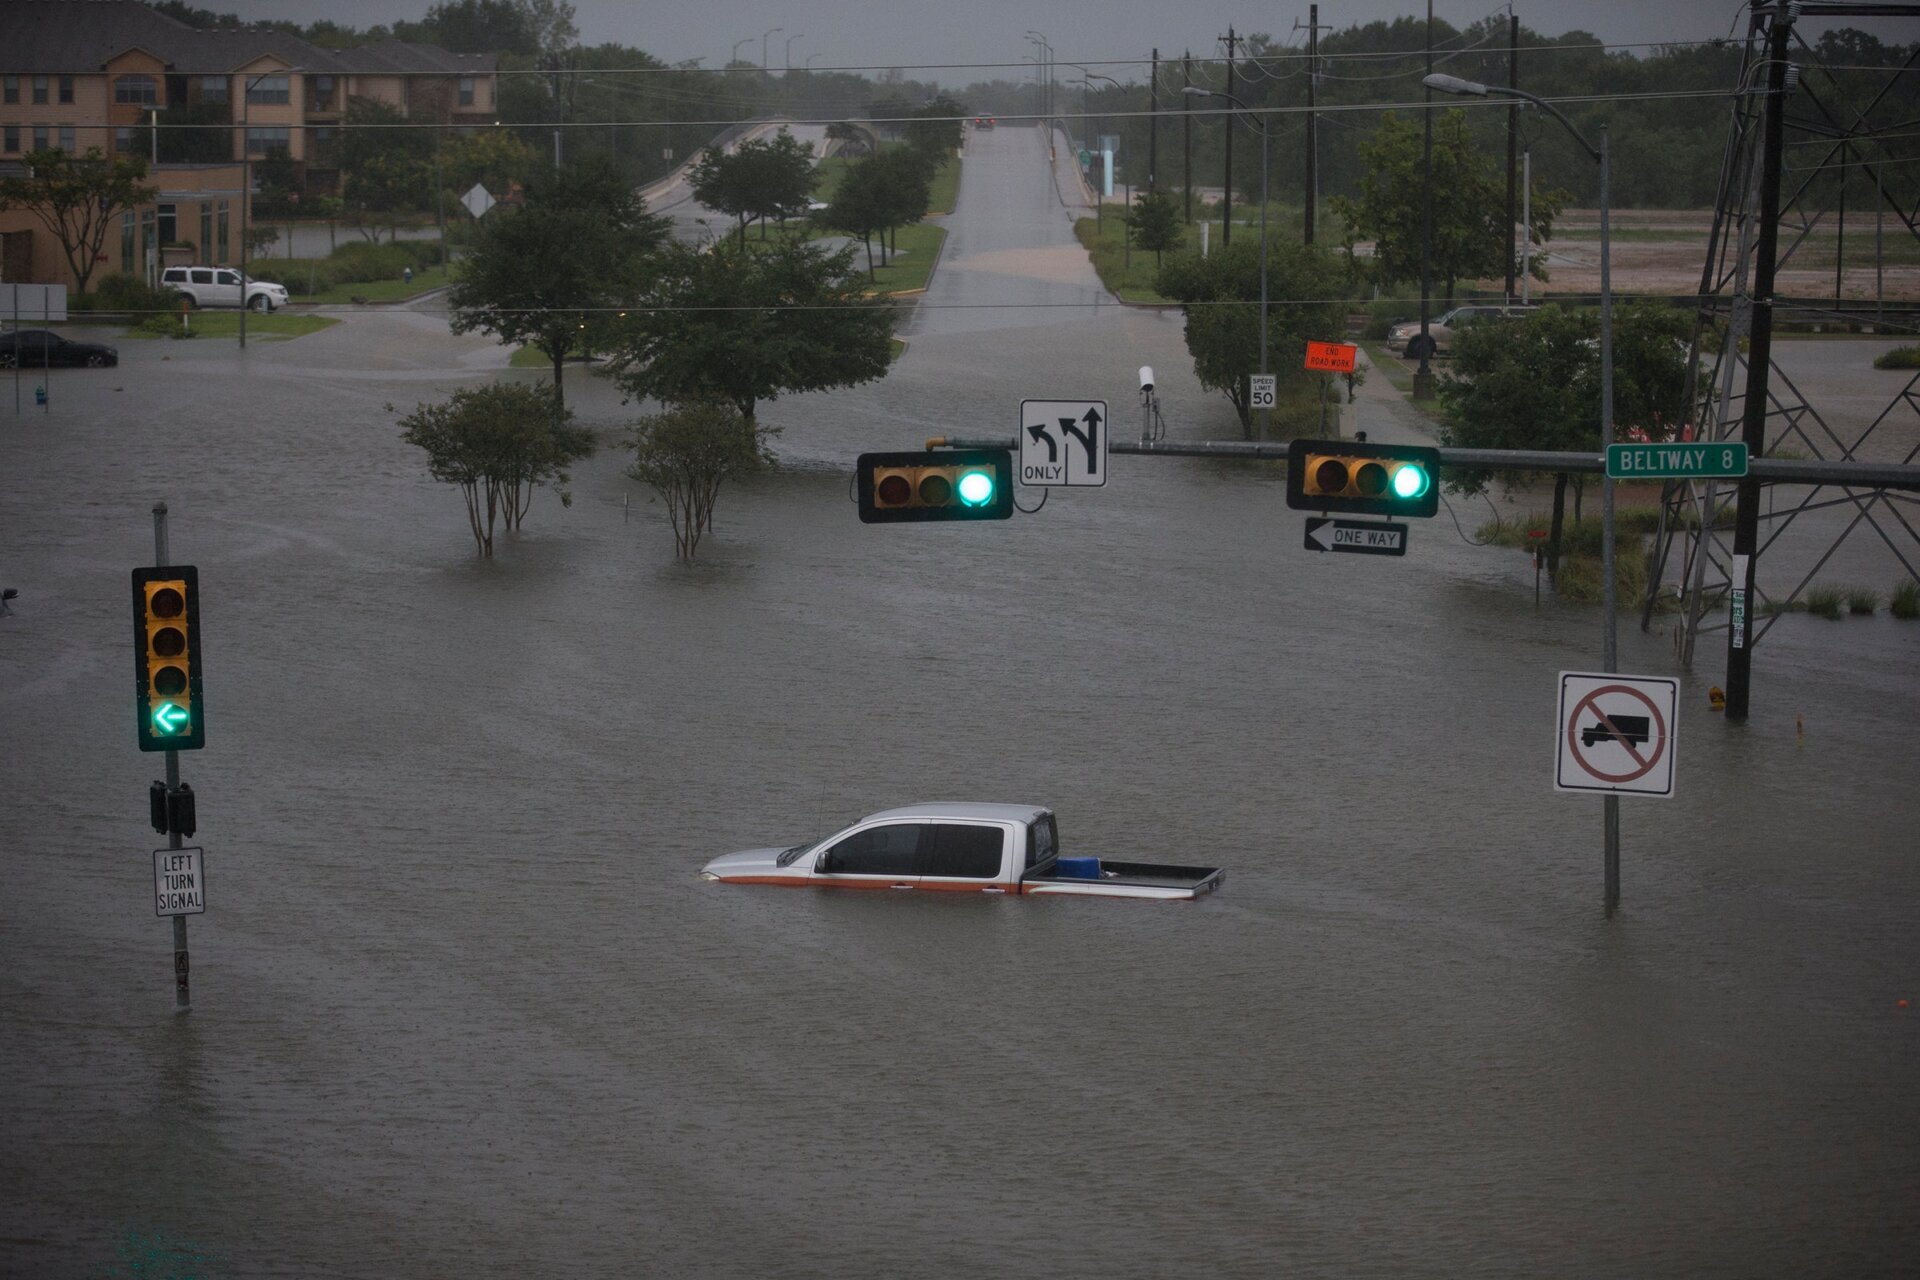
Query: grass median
x=280, y=326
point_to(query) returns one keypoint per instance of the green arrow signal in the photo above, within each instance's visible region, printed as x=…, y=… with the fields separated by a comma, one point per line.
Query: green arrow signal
x=170, y=718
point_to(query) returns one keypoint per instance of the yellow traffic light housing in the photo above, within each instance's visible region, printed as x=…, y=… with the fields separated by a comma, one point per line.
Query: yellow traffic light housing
x=936, y=484
x=1372, y=479
x=166, y=658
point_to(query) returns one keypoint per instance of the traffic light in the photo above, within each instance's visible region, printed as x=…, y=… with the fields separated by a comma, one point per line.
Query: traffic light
x=936, y=484
x=166, y=658
x=1373, y=479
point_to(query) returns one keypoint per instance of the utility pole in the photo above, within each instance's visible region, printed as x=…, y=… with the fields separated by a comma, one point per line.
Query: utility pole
x=1753, y=424
x=1153, y=127
x=1186, y=131
x=1313, y=119
x=1423, y=376
x=1226, y=202
x=1513, y=137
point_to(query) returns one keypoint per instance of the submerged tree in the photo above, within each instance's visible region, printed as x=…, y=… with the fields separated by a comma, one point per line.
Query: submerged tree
x=686, y=453
x=497, y=444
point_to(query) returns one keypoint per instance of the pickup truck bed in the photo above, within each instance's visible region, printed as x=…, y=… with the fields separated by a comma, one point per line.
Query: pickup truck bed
x=1129, y=880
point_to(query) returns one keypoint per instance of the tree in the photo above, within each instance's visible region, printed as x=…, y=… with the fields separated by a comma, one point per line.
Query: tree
x=553, y=272
x=497, y=159
x=1307, y=288
x=1534, y=383
x=859, y=208
x=1469, y=205
x=760, y=178
x=936, y=128
x=686, y=453
x=386, y=168
x=1156, y=223
x=854, y=140
x=77, y=198
x=477, y=26
x=497, y=443
x=738, y=327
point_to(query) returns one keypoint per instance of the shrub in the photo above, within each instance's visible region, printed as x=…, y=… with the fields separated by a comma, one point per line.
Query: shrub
x=1384, y=313
x=1826, y=602
x=164, y=326
x=1905, y=600
x=1861, y=601
x=1899, y=358
x=128, y=294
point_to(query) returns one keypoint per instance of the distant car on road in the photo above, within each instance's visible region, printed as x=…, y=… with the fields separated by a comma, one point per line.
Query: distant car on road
x=983, y=122
x=220, y=287
x=1441, y=330
x=38, y=348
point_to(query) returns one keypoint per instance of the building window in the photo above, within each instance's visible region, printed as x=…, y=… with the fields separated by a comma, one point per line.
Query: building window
x=267, y=141
x=322, y=142
x=221, y=240
x=13, y=139
x=169, y=225
x=322, y=91
x=66, y=139
x=206, y=230
x=466, y=91
x=126, y=243
x=13, y=89
x=66, y=88
x=213, y=89
x=138, y=89
x=39, y=90
x=268, y=91
x=123, y=140
x=40, y=142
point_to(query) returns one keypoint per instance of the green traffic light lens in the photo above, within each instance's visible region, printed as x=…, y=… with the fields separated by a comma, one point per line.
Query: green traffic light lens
x=1410, y=481
x=976, y=488
x=170, y=718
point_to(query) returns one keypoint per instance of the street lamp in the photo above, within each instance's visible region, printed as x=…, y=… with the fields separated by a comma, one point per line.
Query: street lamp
x=810, y=58
x=735, y=55
x=1195, y=91
x=763, y=44
x=1046, y=78
x=246, y=181
x=1609, y=645
x=790, y=40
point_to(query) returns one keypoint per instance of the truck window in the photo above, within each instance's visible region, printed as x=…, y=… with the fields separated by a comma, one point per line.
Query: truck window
x=967, y=851
x=1042, y=842
x=891, y=850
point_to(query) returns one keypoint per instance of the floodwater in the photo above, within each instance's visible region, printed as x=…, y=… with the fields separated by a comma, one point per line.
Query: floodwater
x=462, y=1007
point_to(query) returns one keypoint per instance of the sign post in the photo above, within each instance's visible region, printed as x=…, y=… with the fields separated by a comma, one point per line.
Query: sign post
x=1614, y=735
x=1262, y=390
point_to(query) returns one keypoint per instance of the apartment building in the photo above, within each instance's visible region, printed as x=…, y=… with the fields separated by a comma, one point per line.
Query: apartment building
x=76, y=74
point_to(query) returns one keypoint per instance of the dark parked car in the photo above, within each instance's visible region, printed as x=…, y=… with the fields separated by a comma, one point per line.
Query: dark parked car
x=35, y=348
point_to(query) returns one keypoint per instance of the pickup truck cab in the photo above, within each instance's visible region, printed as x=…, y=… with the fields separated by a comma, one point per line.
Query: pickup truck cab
x=957, y=848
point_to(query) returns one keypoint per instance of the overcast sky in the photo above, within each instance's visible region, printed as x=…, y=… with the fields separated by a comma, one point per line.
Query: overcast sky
x=888, y=33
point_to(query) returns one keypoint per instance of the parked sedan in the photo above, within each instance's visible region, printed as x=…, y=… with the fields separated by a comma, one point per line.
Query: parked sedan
x=1441, y=330
x=38, y=348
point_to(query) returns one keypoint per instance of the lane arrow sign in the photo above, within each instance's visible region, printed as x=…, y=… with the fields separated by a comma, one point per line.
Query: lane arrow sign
x=1039, y=432
x=1089, y=439
x=1358, y=537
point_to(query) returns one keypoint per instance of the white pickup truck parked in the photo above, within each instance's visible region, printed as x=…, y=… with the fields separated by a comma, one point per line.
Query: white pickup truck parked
x=958, y=848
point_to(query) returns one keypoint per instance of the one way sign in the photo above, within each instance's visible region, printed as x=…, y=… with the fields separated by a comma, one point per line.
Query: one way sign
x=1362, y=537
x=1063, y=442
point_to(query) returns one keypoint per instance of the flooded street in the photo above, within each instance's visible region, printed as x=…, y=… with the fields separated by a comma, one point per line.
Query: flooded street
x=463, y=1008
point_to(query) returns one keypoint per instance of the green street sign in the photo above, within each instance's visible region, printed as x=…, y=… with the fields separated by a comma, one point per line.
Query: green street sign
x=1717, y=459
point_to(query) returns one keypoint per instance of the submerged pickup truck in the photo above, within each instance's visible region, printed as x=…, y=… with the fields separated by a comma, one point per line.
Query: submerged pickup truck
x=958, y=848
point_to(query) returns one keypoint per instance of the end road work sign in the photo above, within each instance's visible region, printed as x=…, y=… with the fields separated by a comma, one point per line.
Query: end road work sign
x=1615, y=734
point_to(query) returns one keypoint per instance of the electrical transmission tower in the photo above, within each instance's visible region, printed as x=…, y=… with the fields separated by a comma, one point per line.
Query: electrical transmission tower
x=1805, y=137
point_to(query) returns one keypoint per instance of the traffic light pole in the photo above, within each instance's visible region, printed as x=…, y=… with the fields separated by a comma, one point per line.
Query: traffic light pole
x=182, y=997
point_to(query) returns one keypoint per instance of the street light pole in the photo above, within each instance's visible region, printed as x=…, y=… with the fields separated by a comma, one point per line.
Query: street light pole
x=735, y=55
x=1197, y=92
x=763, y=44
x=1609, y=645
x=246, y=180
x=790, y=40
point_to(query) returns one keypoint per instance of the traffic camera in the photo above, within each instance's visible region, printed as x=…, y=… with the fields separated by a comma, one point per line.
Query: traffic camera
x=936, y=484
x=1371, y=479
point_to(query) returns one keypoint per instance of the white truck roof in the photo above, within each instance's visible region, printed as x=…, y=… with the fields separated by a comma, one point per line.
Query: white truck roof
x=963, y=809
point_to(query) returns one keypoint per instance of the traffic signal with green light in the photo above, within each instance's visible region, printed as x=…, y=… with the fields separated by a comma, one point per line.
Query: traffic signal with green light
x=936, y=484
x=1372, y=479
x=166, y=658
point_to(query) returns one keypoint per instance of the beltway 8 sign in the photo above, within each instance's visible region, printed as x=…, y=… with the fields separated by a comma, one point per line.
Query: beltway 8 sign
x=1717, y=459
x=1615, y=734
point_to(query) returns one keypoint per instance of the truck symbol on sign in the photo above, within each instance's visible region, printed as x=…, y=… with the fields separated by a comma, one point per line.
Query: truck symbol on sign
x=1628, y=730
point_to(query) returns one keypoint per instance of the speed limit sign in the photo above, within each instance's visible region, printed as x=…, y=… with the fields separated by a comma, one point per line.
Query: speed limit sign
x=1261, y=388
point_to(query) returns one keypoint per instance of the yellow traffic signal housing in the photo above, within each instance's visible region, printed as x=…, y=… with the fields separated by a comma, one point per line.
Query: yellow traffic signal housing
x=1372, y=479
x=166, y=658
x=936, y=484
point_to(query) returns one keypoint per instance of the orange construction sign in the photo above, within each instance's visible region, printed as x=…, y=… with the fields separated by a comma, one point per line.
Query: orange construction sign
x=1331, y=357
